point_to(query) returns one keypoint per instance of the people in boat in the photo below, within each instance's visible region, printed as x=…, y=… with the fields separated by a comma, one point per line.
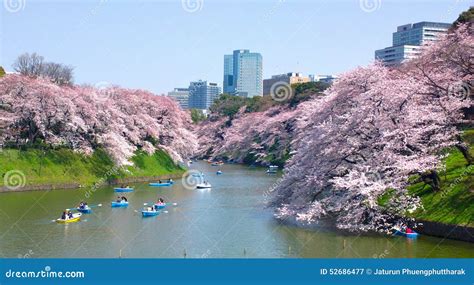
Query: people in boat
x=124, y=199
x=408, y=230
x=63, y=216
x=170, y=180
x=160, y=202
x=82, y=205
x=119, y=199
x=159, y=181
x=69, y=215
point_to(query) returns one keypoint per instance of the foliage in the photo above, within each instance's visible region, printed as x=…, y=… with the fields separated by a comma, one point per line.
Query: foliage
x=85, y=118
x=465, y=17
x=34, y=66
x=255, y=130
x=377, y=127
x=228, y=105
x=197, y=116
x=2, y=71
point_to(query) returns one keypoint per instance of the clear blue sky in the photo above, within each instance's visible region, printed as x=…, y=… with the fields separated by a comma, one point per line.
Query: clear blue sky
x=159, y=45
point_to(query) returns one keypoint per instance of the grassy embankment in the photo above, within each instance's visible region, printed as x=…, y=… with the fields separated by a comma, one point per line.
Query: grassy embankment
x=62, y=166
x=454, y=202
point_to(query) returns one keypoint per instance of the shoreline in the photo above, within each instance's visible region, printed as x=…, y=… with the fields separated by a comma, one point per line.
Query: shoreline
x=77, y=186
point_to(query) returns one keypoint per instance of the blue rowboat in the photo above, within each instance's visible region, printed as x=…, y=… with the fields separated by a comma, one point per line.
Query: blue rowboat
x=159, y=207
x=122, y=204
x=408, y=235
x=147, y=213
x=86, y=210
x=160, y=184
x=119, y=189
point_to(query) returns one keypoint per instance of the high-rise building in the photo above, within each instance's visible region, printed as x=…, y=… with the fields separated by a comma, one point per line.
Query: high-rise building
x=229, y=74
x=202, y=94
x=181, y=95
x=289, y=78
x=408, y=39
x=243, y=73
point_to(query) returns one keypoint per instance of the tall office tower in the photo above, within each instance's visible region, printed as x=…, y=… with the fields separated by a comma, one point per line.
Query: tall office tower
x=229, y=74
x=246, y=71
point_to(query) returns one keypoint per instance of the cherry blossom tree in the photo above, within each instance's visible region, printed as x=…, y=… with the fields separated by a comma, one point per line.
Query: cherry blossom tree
x=84, y=118
x=375, y=128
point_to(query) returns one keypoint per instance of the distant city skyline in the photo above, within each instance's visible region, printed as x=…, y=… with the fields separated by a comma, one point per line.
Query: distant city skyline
x=161, y=45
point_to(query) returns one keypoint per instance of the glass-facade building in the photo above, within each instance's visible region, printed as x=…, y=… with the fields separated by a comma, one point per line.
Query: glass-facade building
x=229, y=74
x=202, y=94
x=243, y=73
x=408, y=39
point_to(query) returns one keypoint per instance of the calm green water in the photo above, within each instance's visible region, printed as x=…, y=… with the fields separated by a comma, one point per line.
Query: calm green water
x=228, y=221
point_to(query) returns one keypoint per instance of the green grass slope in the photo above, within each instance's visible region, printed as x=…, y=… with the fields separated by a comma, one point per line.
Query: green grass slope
x=58, y=166
x=454, y=203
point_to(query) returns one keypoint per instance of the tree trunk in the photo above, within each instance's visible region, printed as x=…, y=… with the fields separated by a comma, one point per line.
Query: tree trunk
x=432, y=178
x=465, y=152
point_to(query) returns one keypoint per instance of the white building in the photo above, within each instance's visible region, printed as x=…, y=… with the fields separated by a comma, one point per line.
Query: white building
x=408, y=39
x=181, y=95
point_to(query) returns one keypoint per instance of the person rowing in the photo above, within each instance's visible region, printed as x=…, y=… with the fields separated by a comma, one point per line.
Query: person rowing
x=124, y=199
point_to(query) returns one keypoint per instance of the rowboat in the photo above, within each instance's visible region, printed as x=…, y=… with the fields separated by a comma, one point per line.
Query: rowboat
x=85, y=210
x=148, y=213
x=219, y=172
x=116, y=204
x=160, y=206
x=156, y=184
x=408, y=235
x=76, y=217
x=203, y=186
x=272, y=169
x=126, y=189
